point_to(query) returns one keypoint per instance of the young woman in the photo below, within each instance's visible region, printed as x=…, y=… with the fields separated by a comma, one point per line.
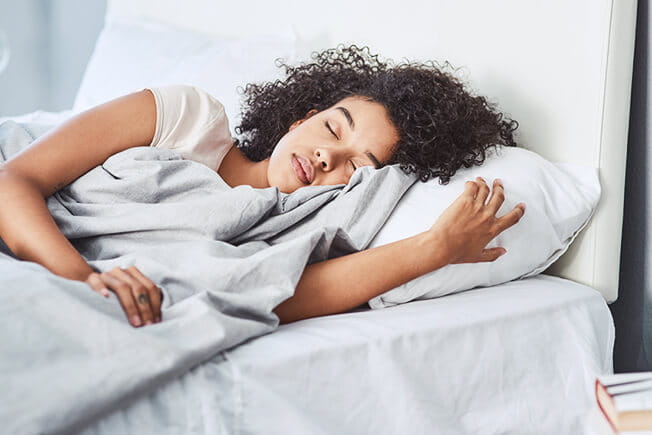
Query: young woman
x=345, y=110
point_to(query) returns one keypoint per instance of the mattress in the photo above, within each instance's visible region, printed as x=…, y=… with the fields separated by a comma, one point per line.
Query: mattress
x=515, y=358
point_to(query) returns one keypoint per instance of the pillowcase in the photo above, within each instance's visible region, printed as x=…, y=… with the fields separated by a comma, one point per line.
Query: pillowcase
x=559, y=198
x=133, y=54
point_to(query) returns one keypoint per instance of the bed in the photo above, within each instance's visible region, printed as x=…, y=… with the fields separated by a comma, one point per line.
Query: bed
x=519, y=357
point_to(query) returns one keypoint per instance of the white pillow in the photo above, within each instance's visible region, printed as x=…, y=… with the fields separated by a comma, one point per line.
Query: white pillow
x=560, y=198
x=131, y=55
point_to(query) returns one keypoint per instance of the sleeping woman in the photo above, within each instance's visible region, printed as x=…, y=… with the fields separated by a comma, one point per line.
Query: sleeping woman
x=344, y=110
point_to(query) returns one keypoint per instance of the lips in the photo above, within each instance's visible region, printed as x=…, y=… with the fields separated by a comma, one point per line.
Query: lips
x=303, y=169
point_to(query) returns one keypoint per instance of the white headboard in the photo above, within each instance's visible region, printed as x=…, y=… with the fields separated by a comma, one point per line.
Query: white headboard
x=561, y=68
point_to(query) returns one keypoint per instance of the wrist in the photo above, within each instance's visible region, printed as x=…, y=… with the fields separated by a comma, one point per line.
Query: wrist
x=436, y=245
x=79, y=271
x=82, y=271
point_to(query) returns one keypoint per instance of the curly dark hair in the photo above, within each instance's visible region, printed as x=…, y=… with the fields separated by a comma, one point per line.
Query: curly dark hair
x=441, y=125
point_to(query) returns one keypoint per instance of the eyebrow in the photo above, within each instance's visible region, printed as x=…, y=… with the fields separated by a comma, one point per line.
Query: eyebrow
x=349, y=119
x=348, y=116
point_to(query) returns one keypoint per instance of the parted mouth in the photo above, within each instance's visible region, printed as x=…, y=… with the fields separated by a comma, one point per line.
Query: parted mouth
x=303, y=169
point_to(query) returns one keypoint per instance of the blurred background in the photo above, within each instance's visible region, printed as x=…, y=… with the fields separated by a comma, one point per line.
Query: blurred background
x=49, y=44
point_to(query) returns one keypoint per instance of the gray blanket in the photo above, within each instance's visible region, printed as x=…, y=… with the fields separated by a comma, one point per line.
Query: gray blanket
x=224, y=258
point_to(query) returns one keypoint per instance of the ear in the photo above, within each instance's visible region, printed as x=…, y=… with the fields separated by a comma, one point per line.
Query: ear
x=296, y=123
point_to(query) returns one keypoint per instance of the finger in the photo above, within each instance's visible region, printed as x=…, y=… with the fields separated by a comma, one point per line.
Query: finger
x=153, y=289
x=483, y=191
x=140, y=294
x=497, y=196
x=470, y=189
x=96, y=284
x=492, y=254
x=125, y=296
x=510, y=218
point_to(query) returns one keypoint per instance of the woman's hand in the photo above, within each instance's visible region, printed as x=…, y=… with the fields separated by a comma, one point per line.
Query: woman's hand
x=468, y=224
x=139, y=296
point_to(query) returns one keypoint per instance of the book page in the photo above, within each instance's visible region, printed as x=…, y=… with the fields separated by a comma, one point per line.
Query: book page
x=631, y=387
x=619, y=378
x=634, y=401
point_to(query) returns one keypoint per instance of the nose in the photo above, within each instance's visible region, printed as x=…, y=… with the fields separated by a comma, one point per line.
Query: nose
x=326, y=158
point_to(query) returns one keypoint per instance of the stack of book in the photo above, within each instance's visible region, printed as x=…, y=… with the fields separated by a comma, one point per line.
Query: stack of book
x=626, y=400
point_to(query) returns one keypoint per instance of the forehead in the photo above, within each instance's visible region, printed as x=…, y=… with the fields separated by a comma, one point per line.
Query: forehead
x=372, y=127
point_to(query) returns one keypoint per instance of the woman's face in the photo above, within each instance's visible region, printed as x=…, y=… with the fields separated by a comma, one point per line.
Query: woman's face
x=326, y=147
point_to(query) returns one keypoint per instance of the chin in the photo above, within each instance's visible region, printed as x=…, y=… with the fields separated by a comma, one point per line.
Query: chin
x=284, y=186
x=288, y=189
x=286, y=182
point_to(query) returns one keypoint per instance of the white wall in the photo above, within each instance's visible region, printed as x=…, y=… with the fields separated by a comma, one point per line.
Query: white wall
x=50, y=42
x=22, y=85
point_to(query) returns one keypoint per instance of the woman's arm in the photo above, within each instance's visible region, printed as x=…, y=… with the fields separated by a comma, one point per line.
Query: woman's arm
x=54, y=161
x=343, y=283
x=459, y=236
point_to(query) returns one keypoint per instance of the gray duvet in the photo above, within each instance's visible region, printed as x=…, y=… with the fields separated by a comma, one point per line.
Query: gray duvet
x=224, y=258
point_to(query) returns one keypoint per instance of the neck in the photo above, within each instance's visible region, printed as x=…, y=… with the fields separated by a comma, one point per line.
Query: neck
x=236, y=169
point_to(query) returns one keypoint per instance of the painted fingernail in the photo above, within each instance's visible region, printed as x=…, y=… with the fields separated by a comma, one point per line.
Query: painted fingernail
x=136, y=320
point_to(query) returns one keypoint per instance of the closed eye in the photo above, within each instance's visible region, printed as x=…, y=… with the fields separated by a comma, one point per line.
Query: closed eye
x=333, y=133
x=330, y=129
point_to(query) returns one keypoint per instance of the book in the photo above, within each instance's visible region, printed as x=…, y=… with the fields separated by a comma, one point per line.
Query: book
x=625, y=399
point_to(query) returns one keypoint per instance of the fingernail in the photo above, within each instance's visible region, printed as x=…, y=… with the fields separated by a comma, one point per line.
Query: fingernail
x=136, y=320
x=149, y=322
x=105, y=292
x=499, y=181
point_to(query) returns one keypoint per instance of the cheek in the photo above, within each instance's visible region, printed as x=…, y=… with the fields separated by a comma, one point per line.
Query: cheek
x=279, y=173
x=285, y=143
x=274, y=171
x=276, y=159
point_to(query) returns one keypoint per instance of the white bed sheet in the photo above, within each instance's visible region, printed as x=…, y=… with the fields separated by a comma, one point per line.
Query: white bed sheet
x=516, y=358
